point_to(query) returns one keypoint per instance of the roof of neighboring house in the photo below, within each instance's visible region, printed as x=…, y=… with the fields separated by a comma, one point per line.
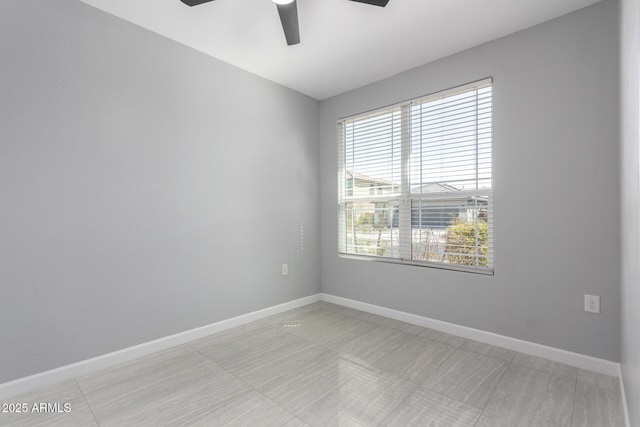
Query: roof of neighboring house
x=434, y=187
x=446, y=188
x=437, y=187
x=361, y=177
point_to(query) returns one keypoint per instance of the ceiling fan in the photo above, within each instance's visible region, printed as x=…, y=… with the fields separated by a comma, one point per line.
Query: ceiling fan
x=288, y=11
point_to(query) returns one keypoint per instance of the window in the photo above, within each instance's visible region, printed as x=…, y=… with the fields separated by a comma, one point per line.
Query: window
x=429, y=161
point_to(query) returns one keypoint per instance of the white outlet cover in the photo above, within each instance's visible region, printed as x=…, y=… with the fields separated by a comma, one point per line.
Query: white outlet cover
x=285, y=269
x=592, y=304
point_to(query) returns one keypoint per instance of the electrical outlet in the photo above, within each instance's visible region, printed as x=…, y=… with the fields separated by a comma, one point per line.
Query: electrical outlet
x=285, y=269
x=592, y=303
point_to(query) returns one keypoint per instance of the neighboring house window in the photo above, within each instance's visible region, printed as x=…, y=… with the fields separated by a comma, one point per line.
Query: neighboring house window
x=429, y=160
x=349, y=188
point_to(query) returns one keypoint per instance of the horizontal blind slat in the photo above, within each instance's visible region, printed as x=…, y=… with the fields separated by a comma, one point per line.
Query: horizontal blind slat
x=448, y=141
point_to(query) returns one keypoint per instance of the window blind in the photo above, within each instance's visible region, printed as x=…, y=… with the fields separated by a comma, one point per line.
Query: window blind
x=415, y=181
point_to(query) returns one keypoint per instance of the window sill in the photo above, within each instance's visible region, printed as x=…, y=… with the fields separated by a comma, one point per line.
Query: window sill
x=466, y=269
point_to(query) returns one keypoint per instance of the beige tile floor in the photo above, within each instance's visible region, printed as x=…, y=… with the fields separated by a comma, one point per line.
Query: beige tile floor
x=326, y=365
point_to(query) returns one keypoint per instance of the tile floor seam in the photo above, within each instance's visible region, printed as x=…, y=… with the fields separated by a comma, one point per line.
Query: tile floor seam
x=478, y=419
x=86, y=401
x=487, y=355
x=439, y=364
x=436, y=370
x=380, y=357
x=225, y=370
x=573, y=404
x=251, y=388
x=548, y=372
x=255, y=389
x=224, y=405
x=446, y=397
x=504, y=374
x=318, y=399
x=269, y=399
x=398, y=405
x=198, y=351
x=293, y=415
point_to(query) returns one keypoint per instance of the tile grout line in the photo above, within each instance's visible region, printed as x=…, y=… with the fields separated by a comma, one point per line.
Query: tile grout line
x=573, y=403
x=504, y=374
x=325, y=347
x=437, y=367
x=251, y=388
x=418, y=386
x=421, y=385
x=340, y=356
x=549, y=372
x=276, y=403
x=86, y=401
x=398, y=405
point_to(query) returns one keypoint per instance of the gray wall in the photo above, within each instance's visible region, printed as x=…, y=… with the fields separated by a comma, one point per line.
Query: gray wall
x=630, y=184
x=146, y=189
x=556, y=189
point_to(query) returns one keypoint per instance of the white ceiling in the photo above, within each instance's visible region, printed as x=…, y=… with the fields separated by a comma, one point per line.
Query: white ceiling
x=344, y=44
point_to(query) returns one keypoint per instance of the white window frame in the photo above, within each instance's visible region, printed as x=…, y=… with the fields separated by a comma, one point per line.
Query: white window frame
x=405, y=197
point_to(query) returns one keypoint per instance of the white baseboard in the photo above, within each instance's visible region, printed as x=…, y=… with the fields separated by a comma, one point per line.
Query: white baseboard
x=74, y=370
x=43, y=379
x=555, y=354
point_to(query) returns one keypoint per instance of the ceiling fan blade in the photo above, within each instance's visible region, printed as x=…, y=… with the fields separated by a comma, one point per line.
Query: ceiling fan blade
x=289, y=18
x=194, y=2
x=381, y=3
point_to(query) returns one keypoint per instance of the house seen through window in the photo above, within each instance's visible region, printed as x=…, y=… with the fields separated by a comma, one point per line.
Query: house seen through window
x=415, y=181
